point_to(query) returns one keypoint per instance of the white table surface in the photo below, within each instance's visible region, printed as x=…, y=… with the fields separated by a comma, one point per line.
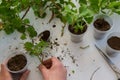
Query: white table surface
x=87, y=61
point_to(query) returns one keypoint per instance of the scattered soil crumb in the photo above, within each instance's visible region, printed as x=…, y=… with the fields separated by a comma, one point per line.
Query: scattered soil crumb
x=10, y=47
x=54, y=26
x=62, y=51
x=65, y=44
x=93, y=60
x=69, y=74
x=73, y=59
x=16, y=48
x=51, y=46
x=14, y=38
x=46, y=56
x=58, y=58
x=56, y=39
x=77, y=65
x=73, y=71
x=56, y=43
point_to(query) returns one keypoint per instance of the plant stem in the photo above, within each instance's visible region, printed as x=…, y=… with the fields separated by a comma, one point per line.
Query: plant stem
x=52, y=16
x=26, y=13
x=55, y=4
x=62, y=31
x=40, y=59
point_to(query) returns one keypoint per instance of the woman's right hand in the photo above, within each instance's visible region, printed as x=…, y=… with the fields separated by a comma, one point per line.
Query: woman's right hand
x=55, y=72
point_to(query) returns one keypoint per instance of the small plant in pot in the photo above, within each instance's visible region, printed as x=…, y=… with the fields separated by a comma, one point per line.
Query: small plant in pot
x=37, y=49
x=17, y=63
x=113, y=44
x=102, y=22
x=77, y=20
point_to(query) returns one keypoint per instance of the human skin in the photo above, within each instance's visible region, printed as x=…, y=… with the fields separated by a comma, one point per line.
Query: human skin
x=5, y=75
x=56, y=72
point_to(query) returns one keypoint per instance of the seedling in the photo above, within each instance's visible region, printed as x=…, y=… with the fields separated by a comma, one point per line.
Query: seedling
x=10, y=19
x=103, y=6
x=77, y=18
x=36, y=49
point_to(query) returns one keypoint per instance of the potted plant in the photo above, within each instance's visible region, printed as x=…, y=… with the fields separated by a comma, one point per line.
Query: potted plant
x=113, y=44
x=78, y=20
x=12, y=21
x=102, y=22
x=37, y=49
x=17, y=63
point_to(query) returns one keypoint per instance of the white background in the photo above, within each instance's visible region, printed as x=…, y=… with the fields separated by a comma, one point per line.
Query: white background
x=86, y=60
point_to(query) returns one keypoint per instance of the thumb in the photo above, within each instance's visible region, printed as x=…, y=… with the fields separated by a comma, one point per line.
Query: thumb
x=3, y=68
x=43, y=69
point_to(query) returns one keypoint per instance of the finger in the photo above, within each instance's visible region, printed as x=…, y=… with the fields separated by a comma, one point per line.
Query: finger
x=42, y=68
x=3, y=68
x=25, y=75
x=55, y=60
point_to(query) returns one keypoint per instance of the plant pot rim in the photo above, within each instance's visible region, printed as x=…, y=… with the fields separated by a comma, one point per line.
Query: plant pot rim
x=80, y=33
x=12, y=55
x=106, y=18
x=111, y=35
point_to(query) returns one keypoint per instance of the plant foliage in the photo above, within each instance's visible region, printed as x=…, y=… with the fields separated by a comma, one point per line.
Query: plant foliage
x=76, y=17
x=10, y=19
x=36, y=49
x=103, y=6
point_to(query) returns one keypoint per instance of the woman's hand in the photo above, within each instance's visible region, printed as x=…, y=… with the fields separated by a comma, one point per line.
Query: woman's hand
x=5, y=75
x=56, y=70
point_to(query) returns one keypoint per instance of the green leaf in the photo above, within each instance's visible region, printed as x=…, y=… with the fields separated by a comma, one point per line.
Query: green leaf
x=94, y=5
x=82, y=1
x=31, y=31
x=72, y=4
x=28, y=46
x=8, y=29
x=89, y=19
x=35, y=49
x=114, y=4
x=62, y=1
x=23, y=36
x=26, y=21
x=69, y=19
x=21, y=29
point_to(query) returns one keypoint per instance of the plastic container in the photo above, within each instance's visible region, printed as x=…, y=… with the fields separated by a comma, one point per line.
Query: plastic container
x=12, y=55
x=110, y=51
x=98, y=34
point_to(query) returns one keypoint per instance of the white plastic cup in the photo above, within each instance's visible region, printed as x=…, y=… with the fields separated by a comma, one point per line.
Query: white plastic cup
x=98, y=34
x=110, y=51
x=76, y=38
x=20, y=71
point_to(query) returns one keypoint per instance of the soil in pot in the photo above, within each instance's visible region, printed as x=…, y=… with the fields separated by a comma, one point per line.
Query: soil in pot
x=114, y=42
x=17, y=62
x=72, y=29
x=101, y=25
x=44, y=35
